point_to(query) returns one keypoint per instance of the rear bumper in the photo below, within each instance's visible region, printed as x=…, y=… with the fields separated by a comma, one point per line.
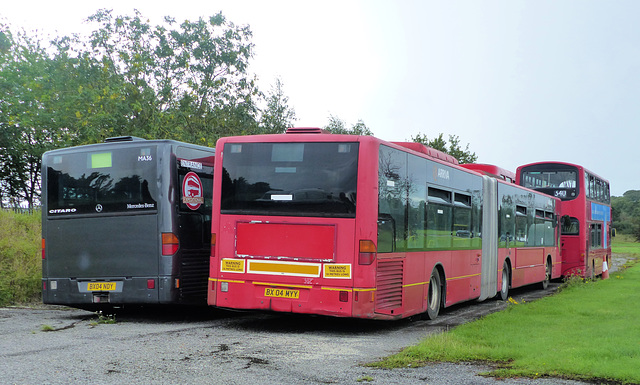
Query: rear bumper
x=74, y=292
x=318, y=300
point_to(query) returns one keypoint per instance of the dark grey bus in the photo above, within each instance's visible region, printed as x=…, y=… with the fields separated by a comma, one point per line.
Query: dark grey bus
x=126, y=222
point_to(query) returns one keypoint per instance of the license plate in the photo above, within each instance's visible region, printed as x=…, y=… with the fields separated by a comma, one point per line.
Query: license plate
x=281, y=293
x=101, y=286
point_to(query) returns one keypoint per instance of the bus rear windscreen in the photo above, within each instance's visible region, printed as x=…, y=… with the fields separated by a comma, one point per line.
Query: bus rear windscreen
x=295, y=179
x=560, y=182
x=102, y=182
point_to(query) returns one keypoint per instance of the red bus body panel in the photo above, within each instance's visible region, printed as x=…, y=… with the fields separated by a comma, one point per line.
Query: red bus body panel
x=312, y=265
x=577, y=257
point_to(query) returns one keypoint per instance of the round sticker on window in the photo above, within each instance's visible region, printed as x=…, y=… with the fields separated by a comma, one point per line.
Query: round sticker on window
x=192, y=191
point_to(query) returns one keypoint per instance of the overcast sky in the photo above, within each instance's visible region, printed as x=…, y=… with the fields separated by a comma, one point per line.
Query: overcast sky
x=520, y=81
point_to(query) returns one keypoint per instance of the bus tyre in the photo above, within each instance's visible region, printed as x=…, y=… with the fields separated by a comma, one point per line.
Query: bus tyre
x=547, y=276
x=434, y=297
x=504, y=288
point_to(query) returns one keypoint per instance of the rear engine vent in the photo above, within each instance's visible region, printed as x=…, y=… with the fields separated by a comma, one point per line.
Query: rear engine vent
x=306, y=130
x=389, y=286
x=122, y=139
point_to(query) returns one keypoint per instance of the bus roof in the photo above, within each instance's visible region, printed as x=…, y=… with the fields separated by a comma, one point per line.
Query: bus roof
x=559, y=164
x=491, y=170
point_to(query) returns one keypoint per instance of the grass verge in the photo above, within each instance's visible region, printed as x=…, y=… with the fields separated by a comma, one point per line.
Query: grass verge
x=20, y=259
x=588, y=331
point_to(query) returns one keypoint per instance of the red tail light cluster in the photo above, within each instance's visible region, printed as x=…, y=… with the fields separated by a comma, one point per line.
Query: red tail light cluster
x=367, y=253
x=170, y=244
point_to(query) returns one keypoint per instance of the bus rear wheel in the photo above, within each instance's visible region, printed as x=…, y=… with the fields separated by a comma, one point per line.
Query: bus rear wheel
x=504, y=288
x=547, y=276
x=434, y=296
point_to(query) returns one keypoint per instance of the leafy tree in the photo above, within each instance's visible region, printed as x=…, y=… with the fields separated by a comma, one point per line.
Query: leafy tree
x=626, y=213
x=338, y=126
x=452, y=148
x=27, y=125
x=184, y=81
x=277, y=116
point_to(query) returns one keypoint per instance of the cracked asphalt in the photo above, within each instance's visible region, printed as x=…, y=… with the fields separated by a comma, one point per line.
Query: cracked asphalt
x=210, y=346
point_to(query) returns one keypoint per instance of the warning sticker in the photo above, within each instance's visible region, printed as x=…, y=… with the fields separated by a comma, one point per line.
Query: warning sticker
x=232, y=266
x=192, y=191
x=337, y=271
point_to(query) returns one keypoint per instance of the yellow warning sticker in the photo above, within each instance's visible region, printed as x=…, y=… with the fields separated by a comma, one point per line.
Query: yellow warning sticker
x=337, y=271
x=232, y=266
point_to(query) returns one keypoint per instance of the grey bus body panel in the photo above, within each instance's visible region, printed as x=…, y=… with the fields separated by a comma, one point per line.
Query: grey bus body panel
x=122, y=250
x=76, y=248
x=489, y=281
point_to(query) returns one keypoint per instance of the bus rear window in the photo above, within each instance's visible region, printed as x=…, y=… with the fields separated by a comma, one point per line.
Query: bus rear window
x=294, y=179
x=102, y=182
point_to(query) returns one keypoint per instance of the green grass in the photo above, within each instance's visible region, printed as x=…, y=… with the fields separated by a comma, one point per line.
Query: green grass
x=20, y=258
x=588, y=331
x=625, y=244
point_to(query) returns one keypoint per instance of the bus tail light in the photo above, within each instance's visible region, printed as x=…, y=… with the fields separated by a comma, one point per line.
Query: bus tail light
x=170, y=244
x=151, y=283
x=42, y=248
x=367, y=252
x=344, y=296
x=213, y=245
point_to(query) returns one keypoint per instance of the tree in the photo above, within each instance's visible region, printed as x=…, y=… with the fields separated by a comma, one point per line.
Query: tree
x=452, y=148
x=184, y=81
x=338, y=126
x=277, y=116
x=626, y=213
x=28, y=127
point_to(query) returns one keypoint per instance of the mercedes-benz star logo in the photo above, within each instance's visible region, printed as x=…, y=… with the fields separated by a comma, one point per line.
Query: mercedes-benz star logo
x=99, y=208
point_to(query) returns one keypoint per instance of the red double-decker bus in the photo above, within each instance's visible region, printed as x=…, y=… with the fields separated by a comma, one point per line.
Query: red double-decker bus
x=353, y=226
x=586, y=213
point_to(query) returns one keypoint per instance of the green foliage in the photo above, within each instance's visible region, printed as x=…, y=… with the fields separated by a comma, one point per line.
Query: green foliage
x=186, y=81
x=626, y=213
x=338, y=126
x=541, y=338
x=20, y=260
x=47, y=328
x=28, y=126
x=104, y=319
x=452, y=148
x=278, y=116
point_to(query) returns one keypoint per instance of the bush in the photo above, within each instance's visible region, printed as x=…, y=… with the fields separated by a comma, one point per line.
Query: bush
x=20, y=260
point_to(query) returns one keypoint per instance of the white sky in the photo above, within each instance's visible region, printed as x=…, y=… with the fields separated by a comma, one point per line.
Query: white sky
x=520, y=81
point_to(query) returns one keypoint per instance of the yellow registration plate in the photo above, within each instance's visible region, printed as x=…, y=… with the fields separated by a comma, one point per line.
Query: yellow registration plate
x=101, y=286
x=281, y=293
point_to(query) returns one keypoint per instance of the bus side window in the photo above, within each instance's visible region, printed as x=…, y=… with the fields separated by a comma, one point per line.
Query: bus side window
x=386, y=233
x=439, y=219
x=521, y=226
x=392, y=196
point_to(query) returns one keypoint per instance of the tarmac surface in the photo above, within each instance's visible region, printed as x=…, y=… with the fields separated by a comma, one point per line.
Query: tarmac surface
x=56, y=345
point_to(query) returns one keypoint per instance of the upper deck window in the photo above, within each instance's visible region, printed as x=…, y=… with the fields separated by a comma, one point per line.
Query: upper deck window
x=101, y=182
x=294, y=179
x=559, y=182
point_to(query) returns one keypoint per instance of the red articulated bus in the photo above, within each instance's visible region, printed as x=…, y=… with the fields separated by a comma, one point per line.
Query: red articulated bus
x=353, y=226
x=586, y=213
